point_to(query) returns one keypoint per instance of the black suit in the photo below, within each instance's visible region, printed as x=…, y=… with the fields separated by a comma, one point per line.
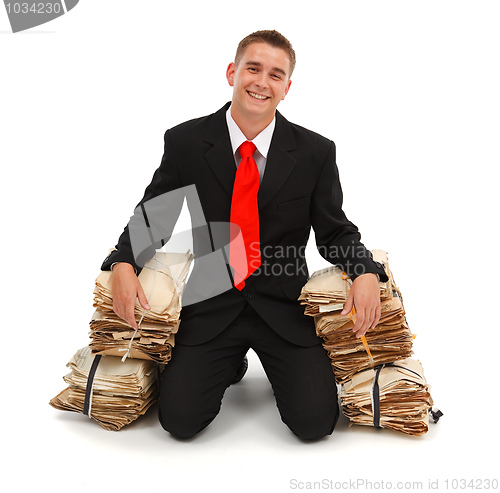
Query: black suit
x=300, y=188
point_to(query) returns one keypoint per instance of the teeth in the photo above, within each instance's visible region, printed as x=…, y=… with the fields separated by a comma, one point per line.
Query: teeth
x=257, y=96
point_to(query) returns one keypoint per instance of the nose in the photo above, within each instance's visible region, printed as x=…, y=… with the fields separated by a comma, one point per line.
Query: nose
x=261, y=81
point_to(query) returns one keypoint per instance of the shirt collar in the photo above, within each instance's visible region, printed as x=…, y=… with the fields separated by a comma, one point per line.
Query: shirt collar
x=262, y=141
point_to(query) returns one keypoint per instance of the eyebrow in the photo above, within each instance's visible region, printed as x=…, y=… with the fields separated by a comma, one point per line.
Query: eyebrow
x=258, y=64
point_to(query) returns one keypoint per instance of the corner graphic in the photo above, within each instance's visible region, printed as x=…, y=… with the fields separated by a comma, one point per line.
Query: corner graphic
x=28, y=14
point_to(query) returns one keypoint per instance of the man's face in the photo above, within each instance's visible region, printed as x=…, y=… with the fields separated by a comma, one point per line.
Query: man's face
x=260, y=81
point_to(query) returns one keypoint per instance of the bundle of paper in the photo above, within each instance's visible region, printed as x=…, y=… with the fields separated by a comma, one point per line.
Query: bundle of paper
x=162, y=280
x=389, y=341
x=394, y=396
x=114, y=394
x=112, y=336
x=327, y=289
x=324, y=296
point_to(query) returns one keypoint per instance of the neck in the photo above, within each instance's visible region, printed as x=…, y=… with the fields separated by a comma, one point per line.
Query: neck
x=249, y=126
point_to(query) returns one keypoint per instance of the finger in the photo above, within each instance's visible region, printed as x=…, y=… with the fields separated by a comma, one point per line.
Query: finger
x=369, y=320
x=118, y=309
x=361, y=331
x=365, y=322
x=348, y=304
x=142, y=298
x=130, y=316
x=360, y=320
x=378, y=314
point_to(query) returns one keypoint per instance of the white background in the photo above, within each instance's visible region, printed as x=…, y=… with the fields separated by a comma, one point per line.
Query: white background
x=409, y=93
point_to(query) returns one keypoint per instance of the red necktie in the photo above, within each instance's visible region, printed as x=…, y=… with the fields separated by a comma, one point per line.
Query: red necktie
x=244, y=252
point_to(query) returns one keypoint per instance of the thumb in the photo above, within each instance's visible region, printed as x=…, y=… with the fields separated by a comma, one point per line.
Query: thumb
x=348, y=304
x=142, y=298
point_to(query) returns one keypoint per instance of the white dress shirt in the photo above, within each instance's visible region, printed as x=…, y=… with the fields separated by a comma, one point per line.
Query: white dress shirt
x=262, y=142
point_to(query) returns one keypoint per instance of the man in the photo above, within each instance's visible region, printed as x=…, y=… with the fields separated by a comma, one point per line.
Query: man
x=298, y=187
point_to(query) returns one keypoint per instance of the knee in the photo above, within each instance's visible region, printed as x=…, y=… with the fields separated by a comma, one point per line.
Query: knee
x=314, y=427
x=312, y=431
x=179, y=425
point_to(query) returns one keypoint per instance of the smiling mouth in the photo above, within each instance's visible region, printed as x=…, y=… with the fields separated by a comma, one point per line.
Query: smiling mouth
x=260, y=97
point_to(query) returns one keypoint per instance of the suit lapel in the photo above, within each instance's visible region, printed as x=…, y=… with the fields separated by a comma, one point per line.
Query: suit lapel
x=279, y=163
x=220, y=157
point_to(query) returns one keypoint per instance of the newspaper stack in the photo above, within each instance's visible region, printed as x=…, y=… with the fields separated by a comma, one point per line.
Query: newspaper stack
x=162, y=280
x=324, y=296
x=115, y=395
x=394, y=396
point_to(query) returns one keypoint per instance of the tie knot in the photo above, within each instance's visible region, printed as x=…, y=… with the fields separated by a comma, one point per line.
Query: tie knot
x=247, y=149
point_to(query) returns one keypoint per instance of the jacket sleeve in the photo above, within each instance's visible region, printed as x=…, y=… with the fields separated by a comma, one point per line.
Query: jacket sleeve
x=338, y=240
x=154, y=217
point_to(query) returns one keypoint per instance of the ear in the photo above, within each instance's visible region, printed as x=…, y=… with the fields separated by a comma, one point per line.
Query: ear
x=287, y=89
x=231, y=69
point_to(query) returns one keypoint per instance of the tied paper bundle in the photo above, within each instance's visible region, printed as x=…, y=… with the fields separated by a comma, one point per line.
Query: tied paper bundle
x=324, y=296
x=394, y=396
x=389, y=341
x=381, y=385
x=162, y=280
x=327, y=289
x=111, y=392
x=113, y=336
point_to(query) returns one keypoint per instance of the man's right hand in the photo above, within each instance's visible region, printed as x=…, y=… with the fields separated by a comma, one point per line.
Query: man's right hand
x=125, y=288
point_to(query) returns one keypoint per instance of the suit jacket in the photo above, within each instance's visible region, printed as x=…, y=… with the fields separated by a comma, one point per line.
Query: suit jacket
x=300, y=188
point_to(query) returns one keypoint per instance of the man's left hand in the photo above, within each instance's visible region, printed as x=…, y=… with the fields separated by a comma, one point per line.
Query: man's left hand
x=364, y=295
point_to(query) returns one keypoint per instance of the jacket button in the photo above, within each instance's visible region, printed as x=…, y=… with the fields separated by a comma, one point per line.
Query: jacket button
x=248, y=296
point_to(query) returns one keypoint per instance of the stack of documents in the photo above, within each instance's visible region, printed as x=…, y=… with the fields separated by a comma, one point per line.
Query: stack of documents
x=324, y=296
x=381, y=385
x=162, y=280
x=327, y=289
x=115, y=394
x=389, y=341
x=112, y=336
x=394, y=396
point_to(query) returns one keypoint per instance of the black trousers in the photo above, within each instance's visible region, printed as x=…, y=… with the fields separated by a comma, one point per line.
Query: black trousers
x=194, y=381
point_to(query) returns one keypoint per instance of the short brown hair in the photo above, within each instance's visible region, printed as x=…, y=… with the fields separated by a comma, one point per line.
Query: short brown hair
x=273, y=38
